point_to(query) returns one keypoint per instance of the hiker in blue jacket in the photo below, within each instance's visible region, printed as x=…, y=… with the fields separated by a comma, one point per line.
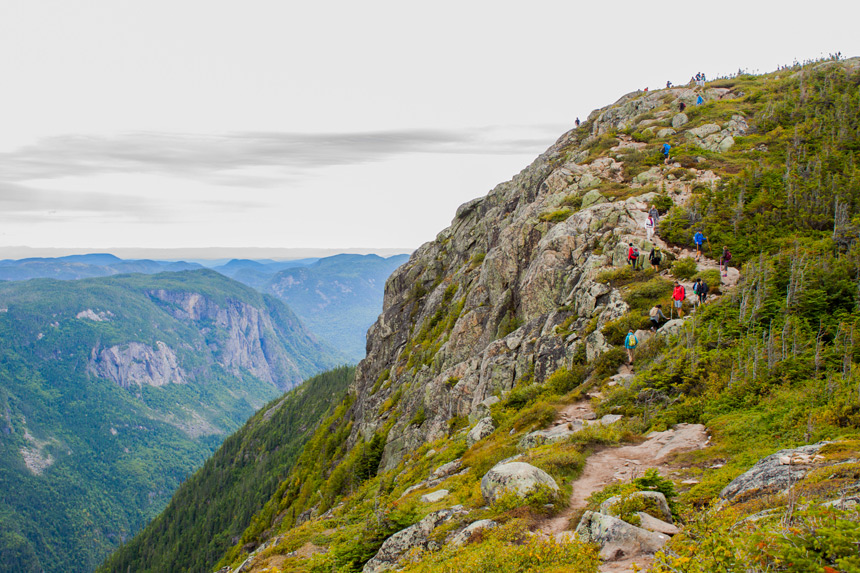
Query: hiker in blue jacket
x=699, y=238
x=665, y=150
x=700, y=100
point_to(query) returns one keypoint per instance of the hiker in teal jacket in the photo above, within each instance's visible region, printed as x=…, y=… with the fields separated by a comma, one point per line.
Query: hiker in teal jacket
x=630, y=343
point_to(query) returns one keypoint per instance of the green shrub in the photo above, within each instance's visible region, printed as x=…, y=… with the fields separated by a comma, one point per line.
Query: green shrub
x=574, y=201
x=521, y=395
x=641, y=296
x=607, y=363
x=684, y=268
x=663, y=203
x=617, y=276
x=538, y=415
x=383, y=377
x=557, y=216
x=710, y=276
x=643, y=136
x=509, y=323
x=563, y=380
x=457, y=423
x=616, y=330
x=419, y=417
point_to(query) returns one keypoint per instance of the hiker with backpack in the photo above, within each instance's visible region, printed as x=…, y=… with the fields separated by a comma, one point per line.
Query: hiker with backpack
x=655, y=314
x=724, y=261
x=700, y=100
x=696, y=284
x=665, y=150
x=649, y=227
x=655, y=214
x=577, y=122
x=632, y=255
x=655, y=257
x=679, y=293
x=699, y=239
x=703, y=292
x=630, y=343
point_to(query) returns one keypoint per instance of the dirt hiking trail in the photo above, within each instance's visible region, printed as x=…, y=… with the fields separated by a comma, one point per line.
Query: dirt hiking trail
x=620, y=464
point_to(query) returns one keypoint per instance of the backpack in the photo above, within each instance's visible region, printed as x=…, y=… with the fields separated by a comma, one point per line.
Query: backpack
x=727, y=256
x=704, y=288
x=631, y=341
x=635, y=254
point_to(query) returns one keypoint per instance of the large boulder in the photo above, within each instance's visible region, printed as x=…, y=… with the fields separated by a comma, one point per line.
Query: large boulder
x=462, y=537
x=482, y=429
x=672, y=327
x=448, y=469
x=516, y=477
x=703, y=130
x=417, y=535
x=651, y=523
x=434, y=496
x=651, y=176
x=773, y=473
x=679, y=120
x=618, y=539
x=551, y=436
x=655, y=504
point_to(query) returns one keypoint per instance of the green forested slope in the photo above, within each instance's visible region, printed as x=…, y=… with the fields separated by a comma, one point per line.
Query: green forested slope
x=215, y=505
x=111, y=394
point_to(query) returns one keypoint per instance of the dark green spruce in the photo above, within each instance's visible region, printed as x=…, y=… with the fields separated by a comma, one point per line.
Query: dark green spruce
x=215, y=505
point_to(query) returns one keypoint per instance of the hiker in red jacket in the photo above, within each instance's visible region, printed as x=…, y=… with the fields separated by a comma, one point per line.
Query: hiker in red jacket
x=633, y=256
x=678, y=295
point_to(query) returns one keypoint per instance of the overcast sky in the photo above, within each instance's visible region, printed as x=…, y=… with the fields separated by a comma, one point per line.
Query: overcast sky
x=338, y=124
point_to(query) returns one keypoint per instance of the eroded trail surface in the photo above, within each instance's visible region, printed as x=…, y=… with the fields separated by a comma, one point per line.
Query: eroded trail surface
x=621, y=464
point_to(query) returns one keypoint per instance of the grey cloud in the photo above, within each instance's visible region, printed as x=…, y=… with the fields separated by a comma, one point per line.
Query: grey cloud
x=214, y=158
x=20, y=203
x=17, y=200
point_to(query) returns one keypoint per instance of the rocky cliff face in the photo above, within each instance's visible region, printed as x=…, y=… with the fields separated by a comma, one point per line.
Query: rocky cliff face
x=509, y=290
x=239, y=337
x=248, y=341
x=137, y=364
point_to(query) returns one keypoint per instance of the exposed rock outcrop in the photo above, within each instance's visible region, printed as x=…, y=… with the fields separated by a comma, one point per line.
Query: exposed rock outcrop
x=415, y=536
x=618, y=539
x=773, y=473
x=482, y=429
x=137, y=364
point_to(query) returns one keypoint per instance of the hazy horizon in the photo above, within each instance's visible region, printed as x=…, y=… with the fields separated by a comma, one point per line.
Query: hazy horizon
x=199, y=253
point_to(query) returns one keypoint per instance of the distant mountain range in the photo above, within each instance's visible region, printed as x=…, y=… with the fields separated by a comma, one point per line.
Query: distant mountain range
x=85, y=266
x=337, y=297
